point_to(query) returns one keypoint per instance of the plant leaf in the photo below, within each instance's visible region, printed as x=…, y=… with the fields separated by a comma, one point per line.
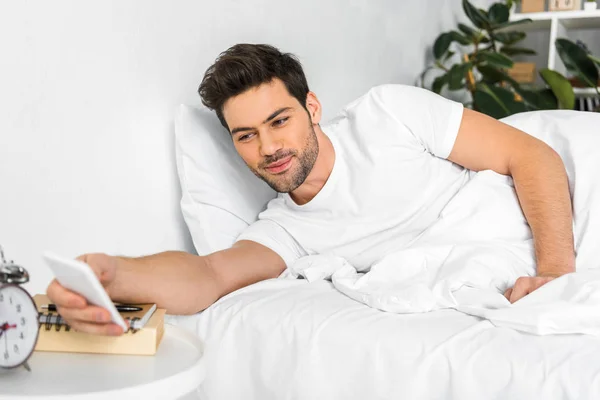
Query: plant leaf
x=561, y=88
x=513, y=51
x=441, y=45
x=536, y=100
x=530, y=98
x=508, y=37
x=495, y=59
x=511, y=23
x=494, y=75
x=486, y=102
x=467, y=30
x=508, y=97
x=457, y=74
x=594, y=59
x=477, y=17
x=439, y=82
x=443, y=42
x=549, y=97
x=490, y=75
x=498, y=13
x=460, y=38
x=448, y=55
x=577, y=61
x=496, y=101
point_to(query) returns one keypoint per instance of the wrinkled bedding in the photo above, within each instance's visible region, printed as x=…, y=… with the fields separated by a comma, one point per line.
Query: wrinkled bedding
x=482, y=243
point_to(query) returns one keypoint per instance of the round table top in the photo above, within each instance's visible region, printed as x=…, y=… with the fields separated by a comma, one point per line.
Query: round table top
x=175, y=370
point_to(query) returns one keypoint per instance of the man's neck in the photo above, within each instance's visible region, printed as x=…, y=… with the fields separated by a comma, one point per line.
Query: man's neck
x=320, y=172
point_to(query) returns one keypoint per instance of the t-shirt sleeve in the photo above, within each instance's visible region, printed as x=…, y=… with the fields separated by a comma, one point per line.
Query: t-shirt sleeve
x=272, y=235
x=432, y=119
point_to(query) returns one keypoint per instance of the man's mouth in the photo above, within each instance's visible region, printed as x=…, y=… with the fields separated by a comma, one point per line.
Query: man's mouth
x=280, y=166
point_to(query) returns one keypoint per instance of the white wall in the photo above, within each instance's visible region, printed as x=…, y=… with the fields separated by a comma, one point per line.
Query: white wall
x=88, y=90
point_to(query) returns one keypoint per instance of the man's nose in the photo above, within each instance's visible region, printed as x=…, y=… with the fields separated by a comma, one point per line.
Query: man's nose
x=269, y=144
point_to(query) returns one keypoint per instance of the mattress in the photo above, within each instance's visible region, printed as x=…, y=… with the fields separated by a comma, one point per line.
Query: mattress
x=291, y=339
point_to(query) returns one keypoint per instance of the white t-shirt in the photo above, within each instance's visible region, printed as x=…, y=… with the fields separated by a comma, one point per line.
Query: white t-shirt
x=389, y=182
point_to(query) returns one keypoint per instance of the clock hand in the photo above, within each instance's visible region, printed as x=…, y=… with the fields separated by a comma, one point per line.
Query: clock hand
x=4, y=327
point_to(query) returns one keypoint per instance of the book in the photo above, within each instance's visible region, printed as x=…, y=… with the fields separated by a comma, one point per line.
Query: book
x=144, y=337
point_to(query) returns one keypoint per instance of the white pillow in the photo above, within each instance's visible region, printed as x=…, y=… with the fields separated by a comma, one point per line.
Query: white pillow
x=220, y=195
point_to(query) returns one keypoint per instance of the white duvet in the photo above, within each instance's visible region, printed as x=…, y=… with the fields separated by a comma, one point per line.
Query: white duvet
x=482, y=243
x=290, y=339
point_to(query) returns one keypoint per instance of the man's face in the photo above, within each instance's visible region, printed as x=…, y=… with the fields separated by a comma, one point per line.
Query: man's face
x=273, y=134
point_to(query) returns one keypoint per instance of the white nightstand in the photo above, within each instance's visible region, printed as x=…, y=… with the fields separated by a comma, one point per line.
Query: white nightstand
x=175, y=371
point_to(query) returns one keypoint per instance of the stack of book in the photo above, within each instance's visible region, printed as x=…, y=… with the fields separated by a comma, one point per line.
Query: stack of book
x=147, y=329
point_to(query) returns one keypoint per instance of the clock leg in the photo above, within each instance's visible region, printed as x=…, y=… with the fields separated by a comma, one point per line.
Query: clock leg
x=26, y=366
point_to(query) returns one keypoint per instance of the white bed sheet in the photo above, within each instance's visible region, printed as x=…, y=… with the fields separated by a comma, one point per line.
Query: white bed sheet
x=290, y=339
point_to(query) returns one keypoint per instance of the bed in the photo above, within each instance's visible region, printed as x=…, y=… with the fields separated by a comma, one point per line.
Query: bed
x=326, y=338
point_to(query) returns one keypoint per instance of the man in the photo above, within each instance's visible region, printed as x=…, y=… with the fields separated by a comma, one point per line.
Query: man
x=386, y=167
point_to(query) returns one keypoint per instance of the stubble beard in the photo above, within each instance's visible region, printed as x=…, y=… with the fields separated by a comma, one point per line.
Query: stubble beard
x=291, y=179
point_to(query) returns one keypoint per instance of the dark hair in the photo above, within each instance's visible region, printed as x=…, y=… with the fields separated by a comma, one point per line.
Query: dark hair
x=245, y=66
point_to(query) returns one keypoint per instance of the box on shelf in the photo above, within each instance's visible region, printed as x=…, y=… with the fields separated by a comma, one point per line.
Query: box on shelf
x=529, y=6
x=564, y=5
x=523, y=72
x=578, y=83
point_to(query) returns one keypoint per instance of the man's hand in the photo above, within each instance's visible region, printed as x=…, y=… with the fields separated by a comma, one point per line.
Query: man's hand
x=525, y=285
x=74, y=308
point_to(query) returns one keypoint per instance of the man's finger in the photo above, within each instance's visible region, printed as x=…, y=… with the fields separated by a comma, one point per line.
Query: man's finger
x=507, y=293
x=521, y=289
x=64, y=297
x=87, y=314
x=97, y=329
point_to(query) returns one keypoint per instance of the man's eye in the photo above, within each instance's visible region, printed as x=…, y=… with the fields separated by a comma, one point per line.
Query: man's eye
x=280, y=122
x=244, y=137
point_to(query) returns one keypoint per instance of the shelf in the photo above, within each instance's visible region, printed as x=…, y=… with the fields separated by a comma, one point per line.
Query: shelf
x=579, y=19
x=585, y=91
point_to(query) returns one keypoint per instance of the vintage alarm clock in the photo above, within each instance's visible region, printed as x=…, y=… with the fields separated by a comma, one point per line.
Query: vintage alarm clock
x=19, y=323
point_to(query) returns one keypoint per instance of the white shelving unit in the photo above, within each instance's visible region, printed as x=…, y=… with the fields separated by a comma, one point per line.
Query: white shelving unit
x=558, y=23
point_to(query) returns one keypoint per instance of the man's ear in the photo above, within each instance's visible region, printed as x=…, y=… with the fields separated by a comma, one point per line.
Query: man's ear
x=314, y=108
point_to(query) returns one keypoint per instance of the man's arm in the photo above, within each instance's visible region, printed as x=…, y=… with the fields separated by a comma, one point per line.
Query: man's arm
x=186, y=284
x=180, y=282
x=540, y=181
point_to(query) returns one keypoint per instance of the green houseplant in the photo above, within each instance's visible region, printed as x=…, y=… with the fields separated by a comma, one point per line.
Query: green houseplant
x=485, y=55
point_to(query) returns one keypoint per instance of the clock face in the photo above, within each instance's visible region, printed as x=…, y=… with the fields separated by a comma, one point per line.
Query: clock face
x=19, y=326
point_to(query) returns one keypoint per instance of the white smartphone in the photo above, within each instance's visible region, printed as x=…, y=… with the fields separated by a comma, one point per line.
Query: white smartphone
x=77, y=276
